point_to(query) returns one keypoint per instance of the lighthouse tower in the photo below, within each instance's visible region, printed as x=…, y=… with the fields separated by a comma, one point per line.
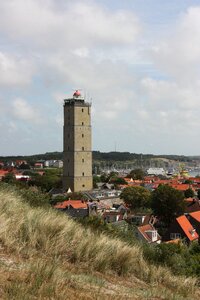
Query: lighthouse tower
x=77, y=169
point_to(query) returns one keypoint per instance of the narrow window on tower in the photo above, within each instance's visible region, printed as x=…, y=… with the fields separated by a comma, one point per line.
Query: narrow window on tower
x=83, y=185
x=83, y=174
x=82, y=110
x=83, y=148
x=82, y=123
x=82, y=159
x=82, y=135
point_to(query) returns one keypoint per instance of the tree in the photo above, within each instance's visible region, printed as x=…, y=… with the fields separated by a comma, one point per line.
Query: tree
x=167, y=203
x=96, y=179
x=9, y=178
x=189, y=193
x=137, y=174
x=117, y=180
x=198, y=194
x=24, y=166
x=136, y=197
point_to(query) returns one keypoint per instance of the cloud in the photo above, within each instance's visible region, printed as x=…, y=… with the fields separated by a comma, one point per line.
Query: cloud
x=179, y=54
x=76, y=25
x=143, y=87
x=25, y=112
x=15, y=71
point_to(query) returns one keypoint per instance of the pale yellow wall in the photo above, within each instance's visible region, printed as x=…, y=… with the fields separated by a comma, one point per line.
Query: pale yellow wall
x=77, y=171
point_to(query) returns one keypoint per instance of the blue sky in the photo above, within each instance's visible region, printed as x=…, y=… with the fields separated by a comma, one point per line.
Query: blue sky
x=138, y=60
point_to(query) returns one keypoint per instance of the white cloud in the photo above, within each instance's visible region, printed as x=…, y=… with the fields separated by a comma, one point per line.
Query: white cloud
x=22, y=110
x=53, y=46
x=15, y=71
x=179, y=53
x=78, y=24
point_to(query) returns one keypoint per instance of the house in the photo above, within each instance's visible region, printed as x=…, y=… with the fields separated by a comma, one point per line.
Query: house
x=113, y=216
x=148, y=233
x=156, y=171
x=20, y=162
x=192, y=205
x=194, y=219
x=142, y=219
x=54, y=192
x=38, y=165
x=105, y=186
x=181, y=228
x=74, y=208
x=58, y=164
x=3, y=173
x=182, y=187
x=137, y=219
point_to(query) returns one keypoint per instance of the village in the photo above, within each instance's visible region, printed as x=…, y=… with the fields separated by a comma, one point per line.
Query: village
x=105, y=201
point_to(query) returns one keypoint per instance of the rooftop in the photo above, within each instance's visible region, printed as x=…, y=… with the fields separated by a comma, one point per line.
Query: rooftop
x=187, y=228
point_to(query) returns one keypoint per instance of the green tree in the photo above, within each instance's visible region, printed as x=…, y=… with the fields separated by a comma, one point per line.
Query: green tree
x=96, y=179
x=9, y=178
x=137, y=174
x=24, y=166
x=189, y=193
x=117, y=180
x=198, y=193
x=167, y=203
x=136, y=197
x=104, y=178
x=46, y=181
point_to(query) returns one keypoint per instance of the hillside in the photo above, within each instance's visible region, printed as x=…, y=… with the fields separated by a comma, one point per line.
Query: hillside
x=102, y=156
x=46, y=255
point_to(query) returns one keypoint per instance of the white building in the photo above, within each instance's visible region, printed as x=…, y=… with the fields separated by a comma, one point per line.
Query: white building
x=156, y=171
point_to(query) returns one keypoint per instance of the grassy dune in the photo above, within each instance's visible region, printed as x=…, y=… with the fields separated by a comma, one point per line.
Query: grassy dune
x=46, y=255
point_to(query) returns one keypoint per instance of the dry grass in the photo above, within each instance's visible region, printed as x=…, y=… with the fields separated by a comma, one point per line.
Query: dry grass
x=49, y=243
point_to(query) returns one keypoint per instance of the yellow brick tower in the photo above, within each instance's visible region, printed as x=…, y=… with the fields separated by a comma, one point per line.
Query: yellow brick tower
x=77, y=169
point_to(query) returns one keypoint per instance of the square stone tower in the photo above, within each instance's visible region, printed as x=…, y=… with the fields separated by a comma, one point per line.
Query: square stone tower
x=77, y=169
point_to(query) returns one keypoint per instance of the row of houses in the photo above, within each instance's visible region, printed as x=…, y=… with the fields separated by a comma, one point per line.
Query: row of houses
x=38, y=164
x=185, y=227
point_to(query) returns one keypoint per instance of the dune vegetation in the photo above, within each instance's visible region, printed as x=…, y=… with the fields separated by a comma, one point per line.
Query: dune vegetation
x=46, y=255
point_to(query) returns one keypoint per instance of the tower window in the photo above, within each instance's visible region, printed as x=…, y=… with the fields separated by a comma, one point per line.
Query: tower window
x=82, y=123
x=83, y=148
x=82, y=135
x=82, y=159
x=82, y=110
x=83, y=174
x=83, y=185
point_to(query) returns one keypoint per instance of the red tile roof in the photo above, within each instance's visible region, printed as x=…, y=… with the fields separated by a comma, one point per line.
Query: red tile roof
x=195, y=215
x=187, y=228
x=3, y=172
x=74, y=203
x=181, y=187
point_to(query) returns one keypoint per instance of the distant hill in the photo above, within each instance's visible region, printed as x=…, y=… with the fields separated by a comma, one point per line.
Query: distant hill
x=101, y=156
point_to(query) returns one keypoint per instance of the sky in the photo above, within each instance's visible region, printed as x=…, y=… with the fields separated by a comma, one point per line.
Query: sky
x=137, y=61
